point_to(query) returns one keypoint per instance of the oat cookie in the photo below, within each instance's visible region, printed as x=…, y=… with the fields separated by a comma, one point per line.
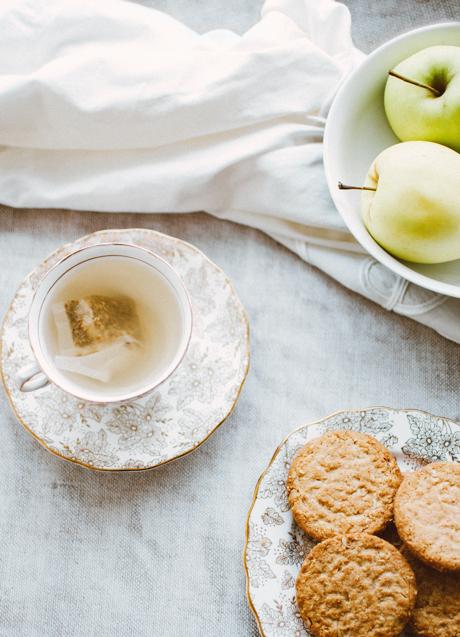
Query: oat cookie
x=427, y=514
x=343, y=482
x=355, y=586
x=437, y=609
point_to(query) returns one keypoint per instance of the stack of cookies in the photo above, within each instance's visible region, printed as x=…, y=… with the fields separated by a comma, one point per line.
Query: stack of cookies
x=344, y=488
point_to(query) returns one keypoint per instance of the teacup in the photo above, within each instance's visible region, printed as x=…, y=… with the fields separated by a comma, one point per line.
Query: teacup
x=125, y=269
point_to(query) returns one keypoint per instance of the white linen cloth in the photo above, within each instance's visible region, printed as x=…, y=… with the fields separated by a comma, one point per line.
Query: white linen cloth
x=111, y=106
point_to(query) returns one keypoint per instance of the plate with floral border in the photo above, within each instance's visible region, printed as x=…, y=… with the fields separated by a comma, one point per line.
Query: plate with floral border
x=170, y=421
x=276, y=547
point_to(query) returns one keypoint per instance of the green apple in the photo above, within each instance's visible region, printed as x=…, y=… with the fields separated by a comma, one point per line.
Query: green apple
x=411, y=202
x=422, y=98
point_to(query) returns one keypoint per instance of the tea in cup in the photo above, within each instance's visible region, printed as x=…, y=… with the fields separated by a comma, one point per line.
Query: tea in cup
x=108, y=323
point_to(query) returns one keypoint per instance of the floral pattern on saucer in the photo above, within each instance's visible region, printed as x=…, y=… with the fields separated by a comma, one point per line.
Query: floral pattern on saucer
x=165, y=424
x=276, y=546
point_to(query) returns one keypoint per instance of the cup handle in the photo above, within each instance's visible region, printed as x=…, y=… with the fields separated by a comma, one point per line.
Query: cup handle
x=31, y=377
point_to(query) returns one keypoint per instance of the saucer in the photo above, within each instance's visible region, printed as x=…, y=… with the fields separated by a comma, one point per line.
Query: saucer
x=276, y=547
x=165, y=424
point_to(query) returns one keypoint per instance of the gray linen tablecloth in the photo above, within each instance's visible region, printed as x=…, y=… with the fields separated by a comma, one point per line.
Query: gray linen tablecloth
x=159, y=553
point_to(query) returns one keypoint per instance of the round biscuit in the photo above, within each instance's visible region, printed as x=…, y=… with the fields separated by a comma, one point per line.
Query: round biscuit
x=437, y=608
x=355, y=585
x=343, y=482
x=427, y=514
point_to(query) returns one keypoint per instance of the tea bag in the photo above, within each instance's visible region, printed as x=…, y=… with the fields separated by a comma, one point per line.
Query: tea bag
x=97, y=335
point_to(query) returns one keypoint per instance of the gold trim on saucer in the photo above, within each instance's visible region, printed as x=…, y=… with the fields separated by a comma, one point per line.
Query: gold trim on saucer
x=270, y=463
x=71, y=246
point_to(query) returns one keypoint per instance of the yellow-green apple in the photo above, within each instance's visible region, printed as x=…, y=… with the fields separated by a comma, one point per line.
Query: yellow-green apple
x=411, y=202
x=422, y=96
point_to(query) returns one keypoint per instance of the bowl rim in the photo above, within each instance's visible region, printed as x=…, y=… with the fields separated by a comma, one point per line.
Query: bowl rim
x=373, y=248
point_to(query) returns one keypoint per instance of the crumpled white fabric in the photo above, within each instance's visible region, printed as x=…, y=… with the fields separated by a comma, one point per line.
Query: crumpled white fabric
x=112, y=106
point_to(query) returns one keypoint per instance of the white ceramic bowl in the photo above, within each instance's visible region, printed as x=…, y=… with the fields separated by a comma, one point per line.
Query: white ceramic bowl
x=357, y=131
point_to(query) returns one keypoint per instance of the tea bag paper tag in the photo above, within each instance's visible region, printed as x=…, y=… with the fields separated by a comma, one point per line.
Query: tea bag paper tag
x=103, y=364
x=63, y=328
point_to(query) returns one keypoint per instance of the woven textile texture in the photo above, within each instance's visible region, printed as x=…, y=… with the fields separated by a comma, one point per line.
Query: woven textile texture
x=158, y=554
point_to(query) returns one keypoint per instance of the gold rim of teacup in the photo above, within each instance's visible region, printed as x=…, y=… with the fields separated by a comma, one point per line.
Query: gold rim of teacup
x=78, y=251
x=44, y=264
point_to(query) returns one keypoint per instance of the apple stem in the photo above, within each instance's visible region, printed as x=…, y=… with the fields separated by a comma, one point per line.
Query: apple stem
x=345, y=187
x=406, y=79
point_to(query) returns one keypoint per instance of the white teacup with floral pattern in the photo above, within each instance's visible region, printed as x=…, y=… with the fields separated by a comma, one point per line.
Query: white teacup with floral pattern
x=165, y=293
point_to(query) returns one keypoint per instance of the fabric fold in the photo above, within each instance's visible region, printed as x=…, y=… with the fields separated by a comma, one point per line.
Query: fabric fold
x=112, y=106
